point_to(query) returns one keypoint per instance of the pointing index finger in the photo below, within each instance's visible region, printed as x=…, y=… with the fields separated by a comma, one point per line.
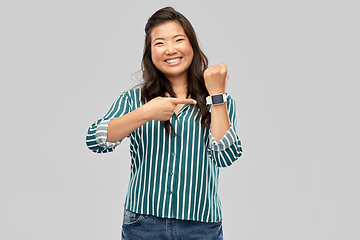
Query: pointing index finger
x=183, y=101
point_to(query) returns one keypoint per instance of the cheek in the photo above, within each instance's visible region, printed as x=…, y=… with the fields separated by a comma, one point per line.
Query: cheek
x=192, y=53
x=155, y=56
x=153, y=59
x=189, y=51
x=152, y=54
x=190, y=56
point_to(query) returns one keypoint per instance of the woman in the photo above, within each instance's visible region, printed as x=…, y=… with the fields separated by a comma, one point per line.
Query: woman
x=182, y=128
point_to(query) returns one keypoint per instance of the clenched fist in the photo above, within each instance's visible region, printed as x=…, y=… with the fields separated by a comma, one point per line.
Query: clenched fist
x=215, y=79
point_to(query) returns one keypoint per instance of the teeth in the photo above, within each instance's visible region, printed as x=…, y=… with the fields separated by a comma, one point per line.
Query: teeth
x=173, y=60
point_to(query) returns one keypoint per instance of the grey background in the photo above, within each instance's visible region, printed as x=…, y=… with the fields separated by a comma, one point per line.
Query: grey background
x=293, y=68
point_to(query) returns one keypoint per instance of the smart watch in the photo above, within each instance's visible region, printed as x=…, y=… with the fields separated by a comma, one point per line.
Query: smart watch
x=216, y=99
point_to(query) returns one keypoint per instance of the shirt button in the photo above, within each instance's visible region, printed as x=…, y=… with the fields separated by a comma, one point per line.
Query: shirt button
x=173, y=154
x=170, y=192
x=171, y=174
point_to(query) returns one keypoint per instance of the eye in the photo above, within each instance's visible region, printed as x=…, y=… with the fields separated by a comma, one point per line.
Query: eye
x=158, y=43
x=180, y=39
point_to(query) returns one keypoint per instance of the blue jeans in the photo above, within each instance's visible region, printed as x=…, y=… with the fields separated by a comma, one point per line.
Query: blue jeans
x=138, y=227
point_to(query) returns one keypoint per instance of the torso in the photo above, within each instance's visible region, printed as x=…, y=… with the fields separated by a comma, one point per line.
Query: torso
x=178, y=107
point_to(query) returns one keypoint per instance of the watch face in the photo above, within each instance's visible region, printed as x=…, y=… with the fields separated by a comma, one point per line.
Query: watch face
x=217, y=99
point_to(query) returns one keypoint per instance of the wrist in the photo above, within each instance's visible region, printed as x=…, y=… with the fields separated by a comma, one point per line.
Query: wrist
x=216, y=99
x=144, y=113
x=216, y=92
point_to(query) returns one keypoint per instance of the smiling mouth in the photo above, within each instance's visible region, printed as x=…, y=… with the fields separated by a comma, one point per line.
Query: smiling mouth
x=175, y=60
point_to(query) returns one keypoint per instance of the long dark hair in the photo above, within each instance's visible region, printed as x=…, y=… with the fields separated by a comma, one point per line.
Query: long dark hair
x=156, y=84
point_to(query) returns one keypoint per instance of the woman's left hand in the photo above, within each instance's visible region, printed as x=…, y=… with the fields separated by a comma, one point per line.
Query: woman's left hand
x=215, y=79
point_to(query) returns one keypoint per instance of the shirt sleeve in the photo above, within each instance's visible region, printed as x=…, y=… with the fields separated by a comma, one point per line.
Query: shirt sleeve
x=97, y=132
x=228, y=149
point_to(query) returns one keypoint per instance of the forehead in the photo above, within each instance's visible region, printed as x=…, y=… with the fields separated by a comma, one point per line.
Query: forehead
x=167, y=30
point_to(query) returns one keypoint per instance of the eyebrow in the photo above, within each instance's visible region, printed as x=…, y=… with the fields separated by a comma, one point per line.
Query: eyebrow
x=179, y=35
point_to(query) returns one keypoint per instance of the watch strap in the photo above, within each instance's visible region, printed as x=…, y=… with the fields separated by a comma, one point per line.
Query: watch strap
x=209, y=99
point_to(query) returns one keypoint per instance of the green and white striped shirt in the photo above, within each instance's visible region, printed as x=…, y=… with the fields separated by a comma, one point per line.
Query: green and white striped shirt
x=172, y=176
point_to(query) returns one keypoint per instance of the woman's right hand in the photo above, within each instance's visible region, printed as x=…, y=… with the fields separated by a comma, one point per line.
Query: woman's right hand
x=159, y=108
x=162, y=108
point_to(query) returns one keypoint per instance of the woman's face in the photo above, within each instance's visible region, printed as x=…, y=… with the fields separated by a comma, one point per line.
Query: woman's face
x=171, y=51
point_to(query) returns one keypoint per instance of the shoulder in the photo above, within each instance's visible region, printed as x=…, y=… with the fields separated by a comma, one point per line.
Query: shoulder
x=131, y=98
x=131, y=95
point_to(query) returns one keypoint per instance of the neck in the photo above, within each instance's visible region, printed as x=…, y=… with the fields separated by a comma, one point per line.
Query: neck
x=179, y=85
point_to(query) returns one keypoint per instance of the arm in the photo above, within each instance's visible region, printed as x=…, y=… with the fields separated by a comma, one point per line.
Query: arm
x=220, y=122
x=215, y=82
x=228, y=149
x=224, y=144
x=133, y=120
x=108, y=132
x=97, y=132
x=159, y=108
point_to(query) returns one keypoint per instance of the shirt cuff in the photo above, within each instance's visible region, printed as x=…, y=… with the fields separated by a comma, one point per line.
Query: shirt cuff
x=225, y=142
x=101, y=135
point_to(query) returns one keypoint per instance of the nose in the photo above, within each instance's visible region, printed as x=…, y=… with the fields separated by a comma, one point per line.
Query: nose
x=171, y=49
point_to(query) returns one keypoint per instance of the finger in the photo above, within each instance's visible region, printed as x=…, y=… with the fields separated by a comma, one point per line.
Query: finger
x=183, y=101
x=223, y=66
x=216, y=69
